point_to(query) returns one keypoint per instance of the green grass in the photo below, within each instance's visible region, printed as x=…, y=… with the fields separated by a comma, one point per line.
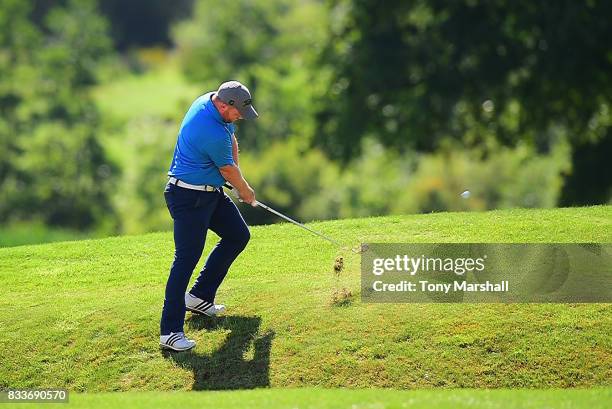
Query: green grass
x=19, y=234
x=84, y=316
x=315, y=398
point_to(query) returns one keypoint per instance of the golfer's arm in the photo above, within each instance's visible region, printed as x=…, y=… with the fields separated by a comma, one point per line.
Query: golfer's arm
x=235, y=149
x=232, y=174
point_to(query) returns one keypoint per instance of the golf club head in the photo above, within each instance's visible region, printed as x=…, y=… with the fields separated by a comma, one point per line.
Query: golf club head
x=360, y=249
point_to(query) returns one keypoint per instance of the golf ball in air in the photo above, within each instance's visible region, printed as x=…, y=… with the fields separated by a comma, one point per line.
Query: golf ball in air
x=466, y=194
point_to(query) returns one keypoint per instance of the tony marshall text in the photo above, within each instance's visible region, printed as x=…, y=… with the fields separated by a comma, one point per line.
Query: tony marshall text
x=426, y=286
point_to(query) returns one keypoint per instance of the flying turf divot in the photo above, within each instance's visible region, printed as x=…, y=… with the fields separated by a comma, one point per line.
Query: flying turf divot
x=344, y=296
x=340, y=296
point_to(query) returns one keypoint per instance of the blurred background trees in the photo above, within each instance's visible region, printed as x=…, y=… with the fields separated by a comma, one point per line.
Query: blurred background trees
x=365, y=110
x=53, y=167
x=272, y=46
x=474, y=72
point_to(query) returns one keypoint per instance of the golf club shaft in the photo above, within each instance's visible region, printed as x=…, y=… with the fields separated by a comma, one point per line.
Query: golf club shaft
x=289, y=219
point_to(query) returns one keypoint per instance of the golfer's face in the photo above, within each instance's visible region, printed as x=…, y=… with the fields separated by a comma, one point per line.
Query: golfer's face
x=232, y=114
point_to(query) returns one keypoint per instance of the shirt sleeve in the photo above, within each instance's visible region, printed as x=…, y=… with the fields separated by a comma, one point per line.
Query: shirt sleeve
x=219, y=148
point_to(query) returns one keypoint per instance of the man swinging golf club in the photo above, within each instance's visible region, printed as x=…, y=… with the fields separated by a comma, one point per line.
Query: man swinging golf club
x=205, y=156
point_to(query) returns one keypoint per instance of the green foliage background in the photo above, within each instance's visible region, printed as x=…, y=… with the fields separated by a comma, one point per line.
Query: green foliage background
x=364, y=110
x=53, y=167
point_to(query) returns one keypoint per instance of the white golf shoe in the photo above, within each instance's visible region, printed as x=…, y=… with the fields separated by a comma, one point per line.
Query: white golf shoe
x=199, y=306
x=176, y=341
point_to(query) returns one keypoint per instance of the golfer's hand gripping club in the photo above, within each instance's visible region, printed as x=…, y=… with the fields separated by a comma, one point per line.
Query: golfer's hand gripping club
x=236, y=194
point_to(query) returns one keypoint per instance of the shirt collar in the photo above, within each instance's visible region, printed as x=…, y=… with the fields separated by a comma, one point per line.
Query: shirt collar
x=210, y=106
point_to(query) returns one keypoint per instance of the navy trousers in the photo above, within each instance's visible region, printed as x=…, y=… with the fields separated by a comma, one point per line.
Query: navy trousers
x=194, y=212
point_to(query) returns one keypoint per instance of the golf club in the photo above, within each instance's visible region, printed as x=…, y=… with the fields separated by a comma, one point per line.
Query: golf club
x=289, y=219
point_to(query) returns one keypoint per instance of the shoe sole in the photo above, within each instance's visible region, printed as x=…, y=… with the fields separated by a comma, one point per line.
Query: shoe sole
x=165, y=346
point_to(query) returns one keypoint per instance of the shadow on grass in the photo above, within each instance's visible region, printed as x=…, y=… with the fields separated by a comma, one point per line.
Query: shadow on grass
x=227, y=368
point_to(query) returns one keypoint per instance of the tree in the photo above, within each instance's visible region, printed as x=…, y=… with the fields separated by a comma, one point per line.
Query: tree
x=272, y=47
x=52, y=166
x=415, y=74
x=141, y=23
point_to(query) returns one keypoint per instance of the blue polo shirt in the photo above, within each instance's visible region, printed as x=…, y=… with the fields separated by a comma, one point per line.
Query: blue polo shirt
x=204, y=145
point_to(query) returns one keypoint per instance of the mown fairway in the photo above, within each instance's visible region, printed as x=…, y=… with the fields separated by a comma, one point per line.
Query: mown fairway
x=315, y=398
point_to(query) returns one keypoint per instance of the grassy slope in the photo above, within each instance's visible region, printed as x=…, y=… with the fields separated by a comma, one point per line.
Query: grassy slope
x=84, y=315
x=19, y=234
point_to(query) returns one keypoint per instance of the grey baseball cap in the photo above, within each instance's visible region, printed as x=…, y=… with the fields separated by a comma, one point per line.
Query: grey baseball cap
x=235, y=94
